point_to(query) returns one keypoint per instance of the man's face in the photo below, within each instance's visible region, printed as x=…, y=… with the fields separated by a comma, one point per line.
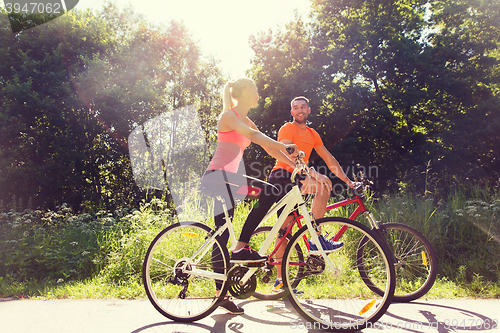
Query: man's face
x=300, y=111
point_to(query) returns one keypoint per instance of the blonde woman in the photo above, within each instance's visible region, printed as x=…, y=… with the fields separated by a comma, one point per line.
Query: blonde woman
x=235, y=132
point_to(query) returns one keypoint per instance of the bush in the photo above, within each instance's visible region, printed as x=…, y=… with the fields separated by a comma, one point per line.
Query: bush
x=126, y=245
x=55, y=245
x=60, y=246
x=41, y=248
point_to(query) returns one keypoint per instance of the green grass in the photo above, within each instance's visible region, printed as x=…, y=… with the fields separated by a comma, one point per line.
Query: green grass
x=97, y=287
x=63, y=255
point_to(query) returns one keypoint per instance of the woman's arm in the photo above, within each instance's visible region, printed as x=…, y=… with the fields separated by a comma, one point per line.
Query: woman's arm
x=272, y=147
x=274, y=151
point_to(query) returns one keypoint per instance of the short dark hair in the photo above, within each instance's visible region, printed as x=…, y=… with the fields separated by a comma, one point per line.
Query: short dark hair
x=299, y=98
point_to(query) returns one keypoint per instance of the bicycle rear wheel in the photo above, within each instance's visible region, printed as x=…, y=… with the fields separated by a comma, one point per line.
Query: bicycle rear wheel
x=267, y=275
x=416, y=261
x=340, y=300
x=177, y=293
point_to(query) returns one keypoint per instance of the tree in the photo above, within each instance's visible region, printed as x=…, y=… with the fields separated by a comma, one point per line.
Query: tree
x=74, y=88
x=465, y=48
x=393, y=84
x=282, y=70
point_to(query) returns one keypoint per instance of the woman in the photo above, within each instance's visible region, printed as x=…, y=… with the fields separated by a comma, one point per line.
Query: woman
x=235, y=132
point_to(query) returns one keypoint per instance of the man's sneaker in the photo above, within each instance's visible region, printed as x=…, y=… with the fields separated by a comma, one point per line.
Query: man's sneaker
x=245, y=255
x=278, y=287
x=327, y=245
x=231, y=307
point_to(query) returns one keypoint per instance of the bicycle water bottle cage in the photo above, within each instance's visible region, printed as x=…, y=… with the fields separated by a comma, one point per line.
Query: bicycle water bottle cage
x=313, y=222
x=211, y=232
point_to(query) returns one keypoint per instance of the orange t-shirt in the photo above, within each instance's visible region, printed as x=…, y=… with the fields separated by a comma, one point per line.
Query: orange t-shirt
x=306, y=140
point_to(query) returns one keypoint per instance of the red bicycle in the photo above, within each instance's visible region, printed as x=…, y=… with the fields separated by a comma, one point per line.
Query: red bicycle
x=415, y=261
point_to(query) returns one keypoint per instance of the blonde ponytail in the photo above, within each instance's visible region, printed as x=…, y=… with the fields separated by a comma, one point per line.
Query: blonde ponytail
x=227, y=103
x=234, y=89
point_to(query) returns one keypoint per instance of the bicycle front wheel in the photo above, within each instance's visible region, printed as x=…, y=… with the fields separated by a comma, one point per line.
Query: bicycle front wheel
x=339, y=300
x=267, y=275
x=174, y=288
x=415, y=261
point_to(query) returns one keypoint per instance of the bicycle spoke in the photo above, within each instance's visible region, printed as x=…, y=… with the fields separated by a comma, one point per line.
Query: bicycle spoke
x=181, y=288
x=340, y=300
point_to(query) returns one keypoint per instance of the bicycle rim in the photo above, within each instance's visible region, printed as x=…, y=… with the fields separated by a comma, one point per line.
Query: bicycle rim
x=174, y=292
x=267, y=275
x=416, y=261
x=340, y=300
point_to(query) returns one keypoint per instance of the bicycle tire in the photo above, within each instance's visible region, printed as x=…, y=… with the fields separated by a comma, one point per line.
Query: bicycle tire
x=177, y=294
x=340, y=301
x=416, y=261
x=268, y=274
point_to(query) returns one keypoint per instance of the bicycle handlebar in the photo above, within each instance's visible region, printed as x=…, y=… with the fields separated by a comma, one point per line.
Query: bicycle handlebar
x=290, y=150
x=362, y=184
x=301, y=165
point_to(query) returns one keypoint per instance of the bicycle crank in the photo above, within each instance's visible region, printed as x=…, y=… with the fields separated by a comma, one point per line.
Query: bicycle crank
x=315, y=264
x=235, y=287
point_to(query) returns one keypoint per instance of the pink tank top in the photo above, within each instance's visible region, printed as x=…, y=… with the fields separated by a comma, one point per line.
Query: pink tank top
x=229, y=152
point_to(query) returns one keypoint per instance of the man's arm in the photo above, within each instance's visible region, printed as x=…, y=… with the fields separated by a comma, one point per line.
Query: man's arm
x=333, y=164
x=322, y=179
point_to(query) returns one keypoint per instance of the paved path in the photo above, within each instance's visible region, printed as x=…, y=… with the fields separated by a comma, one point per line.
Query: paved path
x=139, y=316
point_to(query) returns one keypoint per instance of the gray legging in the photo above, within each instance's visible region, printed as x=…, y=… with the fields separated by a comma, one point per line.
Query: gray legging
x=231, y=186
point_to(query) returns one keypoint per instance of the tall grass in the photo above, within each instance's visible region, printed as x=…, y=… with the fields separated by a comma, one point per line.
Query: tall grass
x=59, y=254
x=40, y=250
x=464, y=229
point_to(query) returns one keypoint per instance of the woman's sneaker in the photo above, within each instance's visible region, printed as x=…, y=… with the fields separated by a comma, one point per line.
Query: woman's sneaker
x=327, y=245
x=245, y=255
x=278, y=287
x=231, y=307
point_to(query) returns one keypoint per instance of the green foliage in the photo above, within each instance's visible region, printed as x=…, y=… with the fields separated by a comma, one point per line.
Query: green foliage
x=411, y=87
x=71, y=91
x=61, y=246
x=59, y=254
x=125, y=246
x=392, y=84
x=51, y=245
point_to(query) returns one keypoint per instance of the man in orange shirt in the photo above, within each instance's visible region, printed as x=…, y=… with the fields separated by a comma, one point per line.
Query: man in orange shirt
x=306, y=139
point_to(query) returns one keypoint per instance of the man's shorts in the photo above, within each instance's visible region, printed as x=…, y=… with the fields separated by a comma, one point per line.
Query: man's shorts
x=281, y=178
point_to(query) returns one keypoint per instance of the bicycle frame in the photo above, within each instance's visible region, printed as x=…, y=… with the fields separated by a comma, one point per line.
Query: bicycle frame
x=289, y=201
x=360, y=209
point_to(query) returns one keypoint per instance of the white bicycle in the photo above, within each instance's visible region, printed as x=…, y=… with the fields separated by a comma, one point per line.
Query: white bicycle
x=180, y=272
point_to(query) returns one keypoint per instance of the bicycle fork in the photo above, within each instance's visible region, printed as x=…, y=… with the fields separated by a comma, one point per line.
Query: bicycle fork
x=314, y=231
x=380, y=232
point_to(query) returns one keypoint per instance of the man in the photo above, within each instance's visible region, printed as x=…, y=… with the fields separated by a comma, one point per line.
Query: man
x=306, y=138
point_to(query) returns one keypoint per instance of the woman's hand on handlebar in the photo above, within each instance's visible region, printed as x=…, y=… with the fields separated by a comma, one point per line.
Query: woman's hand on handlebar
x=292, y=150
